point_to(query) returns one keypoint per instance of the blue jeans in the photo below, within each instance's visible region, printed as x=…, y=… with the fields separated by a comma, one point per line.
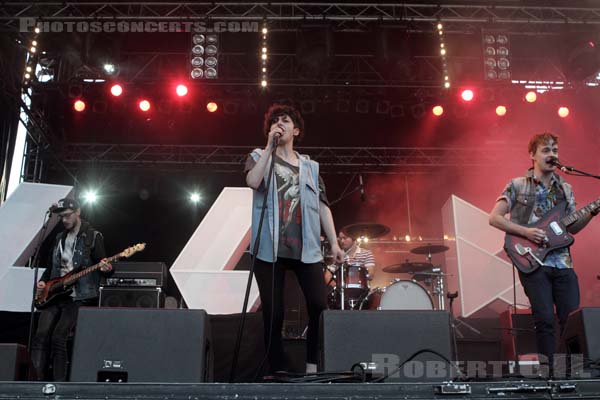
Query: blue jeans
x=546, y=288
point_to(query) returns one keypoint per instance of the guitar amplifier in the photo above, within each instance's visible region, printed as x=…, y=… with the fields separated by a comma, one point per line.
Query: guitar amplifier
x=137, y=274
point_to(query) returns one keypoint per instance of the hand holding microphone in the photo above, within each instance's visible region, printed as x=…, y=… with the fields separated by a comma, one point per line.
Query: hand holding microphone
x=274, y=136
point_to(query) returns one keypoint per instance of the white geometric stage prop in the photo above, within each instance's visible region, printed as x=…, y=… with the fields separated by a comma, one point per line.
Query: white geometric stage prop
x=476, y=262
x=203, y=271
x=22, y=216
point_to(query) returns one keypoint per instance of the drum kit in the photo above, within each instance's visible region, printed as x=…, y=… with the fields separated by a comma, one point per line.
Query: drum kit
x=350, y=289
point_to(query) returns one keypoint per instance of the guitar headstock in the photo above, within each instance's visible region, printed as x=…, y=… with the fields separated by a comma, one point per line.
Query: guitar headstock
x=128, y=252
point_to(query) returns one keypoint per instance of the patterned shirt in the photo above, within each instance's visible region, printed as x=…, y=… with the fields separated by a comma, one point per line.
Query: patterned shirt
x=545, y=199
x=361, y=256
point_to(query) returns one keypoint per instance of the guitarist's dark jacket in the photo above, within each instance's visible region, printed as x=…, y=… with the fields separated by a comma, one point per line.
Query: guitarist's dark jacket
x=89, y=250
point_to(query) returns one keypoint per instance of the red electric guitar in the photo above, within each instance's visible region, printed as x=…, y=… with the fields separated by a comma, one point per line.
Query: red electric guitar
x=528, y=256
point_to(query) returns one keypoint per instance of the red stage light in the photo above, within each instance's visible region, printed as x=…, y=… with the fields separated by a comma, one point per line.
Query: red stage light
x=144, y=105
x=467, y=95
x=79, y=105
x=531, y=97
x=501, y=111
x=116, y=90
x=181, y=90
x=563, y=112
x=437, y=110
x=212, y=106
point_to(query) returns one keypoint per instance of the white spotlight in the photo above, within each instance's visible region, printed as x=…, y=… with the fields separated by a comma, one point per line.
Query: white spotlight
x=195, y=197
x=90, y=196
x=109, y=69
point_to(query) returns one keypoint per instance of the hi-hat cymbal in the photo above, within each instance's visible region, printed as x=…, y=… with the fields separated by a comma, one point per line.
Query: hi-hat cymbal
x=429, y=249
x=370, y=230
x=408, y=267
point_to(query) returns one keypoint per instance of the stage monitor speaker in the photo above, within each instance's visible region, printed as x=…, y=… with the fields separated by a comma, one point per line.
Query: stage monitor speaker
x=14, y=363
x=388, y=338
x=142, y=345
x=150, y=297
x=582, y=333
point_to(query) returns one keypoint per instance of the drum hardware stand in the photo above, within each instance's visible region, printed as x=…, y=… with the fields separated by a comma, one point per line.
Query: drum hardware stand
x=457, y=322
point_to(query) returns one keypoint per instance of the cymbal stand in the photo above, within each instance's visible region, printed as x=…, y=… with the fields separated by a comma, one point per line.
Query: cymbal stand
x=342, y=285
x=438, y=287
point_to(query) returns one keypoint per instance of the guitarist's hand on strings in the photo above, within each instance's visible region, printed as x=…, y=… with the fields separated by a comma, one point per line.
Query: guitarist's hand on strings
x=105, y=266
x=535, y=235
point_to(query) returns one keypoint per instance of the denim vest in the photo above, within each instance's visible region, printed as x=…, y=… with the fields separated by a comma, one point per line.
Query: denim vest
x=87, y=286
x=525, y=197
x=310, y=203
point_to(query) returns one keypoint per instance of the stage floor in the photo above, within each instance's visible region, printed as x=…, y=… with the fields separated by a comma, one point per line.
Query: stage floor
x=505, y=389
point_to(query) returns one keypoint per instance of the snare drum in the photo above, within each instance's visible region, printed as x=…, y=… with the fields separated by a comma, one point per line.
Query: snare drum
x=399, y=295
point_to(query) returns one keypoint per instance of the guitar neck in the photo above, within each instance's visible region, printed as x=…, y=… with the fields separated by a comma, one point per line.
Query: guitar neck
x=581, y=213
x=72, y=278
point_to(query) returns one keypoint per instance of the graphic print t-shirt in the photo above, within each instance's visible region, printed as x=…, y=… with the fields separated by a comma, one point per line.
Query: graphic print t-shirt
x=290, y=212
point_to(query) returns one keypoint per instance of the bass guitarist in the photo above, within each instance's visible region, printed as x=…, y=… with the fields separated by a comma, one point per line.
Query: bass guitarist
x=528, y=199
x=77, y=247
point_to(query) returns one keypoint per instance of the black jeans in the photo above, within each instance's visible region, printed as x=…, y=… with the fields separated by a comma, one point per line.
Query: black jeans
x=310, y=278
x=548, y=287
x=54, y=327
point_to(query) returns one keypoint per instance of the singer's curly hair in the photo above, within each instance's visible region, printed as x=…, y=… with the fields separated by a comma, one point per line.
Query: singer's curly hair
x=276, y=111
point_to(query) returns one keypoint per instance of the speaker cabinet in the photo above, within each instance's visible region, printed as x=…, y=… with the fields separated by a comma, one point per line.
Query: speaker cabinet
x=143, y=297
x=582, y=333
x=388, y=338
x=14, y=363
x=142, y=345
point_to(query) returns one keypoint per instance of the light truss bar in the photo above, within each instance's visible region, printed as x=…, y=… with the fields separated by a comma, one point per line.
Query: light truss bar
x=559, y=13
x=232, y=158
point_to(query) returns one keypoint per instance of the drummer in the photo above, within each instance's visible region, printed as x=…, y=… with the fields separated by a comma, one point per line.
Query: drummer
x=356, y=255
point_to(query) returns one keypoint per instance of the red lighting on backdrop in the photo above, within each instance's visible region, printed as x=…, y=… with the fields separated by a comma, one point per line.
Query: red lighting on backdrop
x=144, y=105
x=116, y=90
x=181, y=90
x=563, y=112
x=467, y=95
x=438, y=110
x=531, y=97
x=212, y=106
x=79, y=105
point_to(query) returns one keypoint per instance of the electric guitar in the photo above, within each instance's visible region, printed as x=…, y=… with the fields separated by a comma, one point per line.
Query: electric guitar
x=63, y=286
x=528, y=256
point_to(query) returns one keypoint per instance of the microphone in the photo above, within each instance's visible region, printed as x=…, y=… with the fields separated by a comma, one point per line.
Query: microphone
x=554, y=161
x=361, y=187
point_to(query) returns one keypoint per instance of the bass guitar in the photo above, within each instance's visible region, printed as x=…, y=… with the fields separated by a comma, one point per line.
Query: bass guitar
x=63, y=286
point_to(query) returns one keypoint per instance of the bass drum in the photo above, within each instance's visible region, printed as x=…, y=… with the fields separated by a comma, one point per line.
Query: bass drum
x=399, y=295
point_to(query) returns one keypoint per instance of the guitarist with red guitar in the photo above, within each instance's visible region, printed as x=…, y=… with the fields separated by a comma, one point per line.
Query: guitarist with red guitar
x=75, y=248
x=543, y=219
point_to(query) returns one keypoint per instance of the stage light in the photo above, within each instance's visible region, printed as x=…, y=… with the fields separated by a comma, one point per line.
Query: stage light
x=116, y=90
x=263, y=83
x=90, y=197
x=181, y=90
x=212, y=107
x=467, y=95
x=79, y=105
x=531, y=97
x=501, y=111
x=144, y=105
x=438, y=110
x=195, y=197
x=563, y=112
x=110, y=69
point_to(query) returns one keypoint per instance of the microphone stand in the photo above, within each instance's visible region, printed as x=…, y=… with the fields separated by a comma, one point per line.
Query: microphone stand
x=34, y=263
x=238, y=340
x=569, y=171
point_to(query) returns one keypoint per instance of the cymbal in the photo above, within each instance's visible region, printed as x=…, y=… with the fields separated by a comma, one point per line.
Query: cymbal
x=429, y=249
x=408, y=267
x=370, y=230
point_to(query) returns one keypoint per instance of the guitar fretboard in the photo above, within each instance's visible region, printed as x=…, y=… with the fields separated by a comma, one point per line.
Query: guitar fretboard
x=582, y=212
x=74, y=277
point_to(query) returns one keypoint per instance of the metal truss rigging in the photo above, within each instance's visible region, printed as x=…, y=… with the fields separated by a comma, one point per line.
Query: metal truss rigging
x=343, y=14
x=412, y=160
